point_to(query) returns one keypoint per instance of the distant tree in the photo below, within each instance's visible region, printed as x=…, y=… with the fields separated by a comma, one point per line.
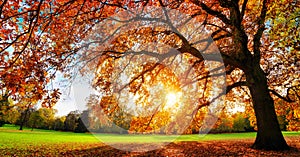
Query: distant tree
x=282, y=122
x=105, y=115
x=48, y=115
x=35, y=120
x=239, y=123
x=42, y=118
x=59, y=123
x=25, y=115
x=71, y=121
x=248, y=127
x=12, y=116
x=7, y=111
x=80, y=128
x=83, y=122
x=84, y=116
x=4, y=107
x=225, y=126
x=96, y=115
x=224, y=123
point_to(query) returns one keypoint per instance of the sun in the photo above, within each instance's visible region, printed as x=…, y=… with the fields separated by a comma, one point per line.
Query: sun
x=172, y=99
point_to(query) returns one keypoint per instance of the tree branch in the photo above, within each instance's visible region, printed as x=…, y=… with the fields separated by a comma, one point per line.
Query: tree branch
x=287, y=99
x=215, y=13
x=234, y=85
x=258, y=34
x=243, y=9
x=2, y=6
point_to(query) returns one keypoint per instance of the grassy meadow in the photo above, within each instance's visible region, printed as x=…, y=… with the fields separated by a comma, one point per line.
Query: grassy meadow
x=45, y=142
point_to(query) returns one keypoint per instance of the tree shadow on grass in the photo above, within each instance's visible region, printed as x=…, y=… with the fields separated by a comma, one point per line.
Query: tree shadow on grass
x=197, y=149
x=211, y=148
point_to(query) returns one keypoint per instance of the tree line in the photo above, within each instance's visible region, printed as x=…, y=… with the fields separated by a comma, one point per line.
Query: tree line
x=45, y=118
x=82, y=121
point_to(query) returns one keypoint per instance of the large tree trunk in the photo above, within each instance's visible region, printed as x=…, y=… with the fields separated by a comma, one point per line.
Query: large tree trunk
x=269, y=135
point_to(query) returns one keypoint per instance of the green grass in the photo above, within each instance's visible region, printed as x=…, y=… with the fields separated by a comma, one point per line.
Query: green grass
x=172, y=138
x=17, y=142
x=10, y=135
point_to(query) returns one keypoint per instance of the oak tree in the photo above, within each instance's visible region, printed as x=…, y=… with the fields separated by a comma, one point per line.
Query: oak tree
x=242, y=30
x=39, y=38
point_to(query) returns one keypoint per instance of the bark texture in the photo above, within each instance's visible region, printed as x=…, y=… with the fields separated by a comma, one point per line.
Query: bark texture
x=269, y=135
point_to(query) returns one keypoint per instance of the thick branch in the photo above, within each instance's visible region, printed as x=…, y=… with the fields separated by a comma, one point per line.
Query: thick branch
x=234, y=85
x=215, y=13
x=243, y=9
x=258, y=35
x=287, y=99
